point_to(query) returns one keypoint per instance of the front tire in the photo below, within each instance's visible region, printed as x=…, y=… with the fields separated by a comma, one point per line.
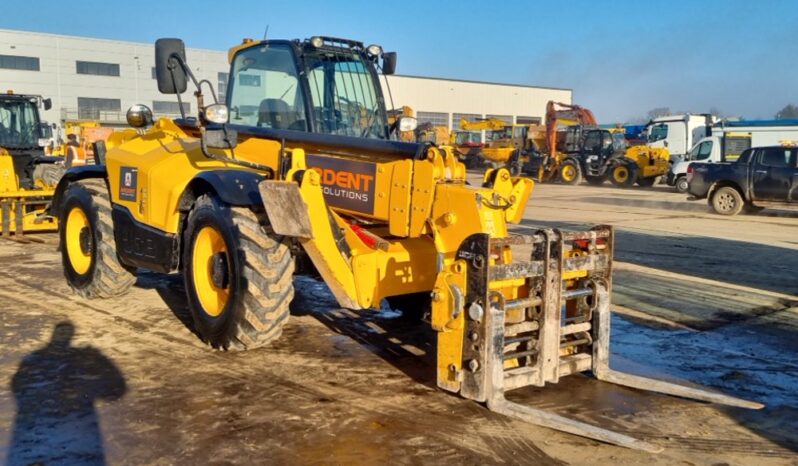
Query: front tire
x=91, y=266
x=727, y=201
x=238, y=275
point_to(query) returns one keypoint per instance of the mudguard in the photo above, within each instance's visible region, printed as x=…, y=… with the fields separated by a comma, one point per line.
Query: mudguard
x=234, y=187
x=72, y=175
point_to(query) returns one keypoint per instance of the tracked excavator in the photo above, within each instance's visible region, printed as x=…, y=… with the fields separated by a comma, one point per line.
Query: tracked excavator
x=233, y=199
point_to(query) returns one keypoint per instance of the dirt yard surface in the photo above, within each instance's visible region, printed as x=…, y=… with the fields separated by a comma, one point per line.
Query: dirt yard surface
x=699, y=298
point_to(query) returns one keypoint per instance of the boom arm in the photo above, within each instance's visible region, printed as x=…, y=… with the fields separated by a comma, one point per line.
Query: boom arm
x=567, y=114
x=479, y=125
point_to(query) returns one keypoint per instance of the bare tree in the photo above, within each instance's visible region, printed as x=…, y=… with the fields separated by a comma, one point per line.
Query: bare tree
x=658, y=112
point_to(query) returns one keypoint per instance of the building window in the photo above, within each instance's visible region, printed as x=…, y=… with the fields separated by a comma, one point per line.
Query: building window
x=436, y=118
x=12, y=62
x=96, y=68
x=528, y=120
x=221, y=88
x=93, y=108
x=165, y=107
x=505, y=118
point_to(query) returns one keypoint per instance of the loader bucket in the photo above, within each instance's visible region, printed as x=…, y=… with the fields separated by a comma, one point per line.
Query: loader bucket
x=545, y=319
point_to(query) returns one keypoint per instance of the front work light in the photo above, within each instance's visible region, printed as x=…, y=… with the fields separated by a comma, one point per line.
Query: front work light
x=217, y=113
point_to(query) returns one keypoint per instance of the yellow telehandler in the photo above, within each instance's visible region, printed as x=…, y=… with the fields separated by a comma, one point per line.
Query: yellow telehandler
x=233, y=198
x=24, y=193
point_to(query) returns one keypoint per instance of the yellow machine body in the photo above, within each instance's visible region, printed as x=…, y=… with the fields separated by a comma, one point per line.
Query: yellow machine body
x=22, y=210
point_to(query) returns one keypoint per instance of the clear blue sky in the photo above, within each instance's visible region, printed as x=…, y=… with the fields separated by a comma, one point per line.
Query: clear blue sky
x=621, y=58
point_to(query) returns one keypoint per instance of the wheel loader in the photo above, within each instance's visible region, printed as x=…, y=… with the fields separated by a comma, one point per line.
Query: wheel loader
x=301, y=167
x=25, y=190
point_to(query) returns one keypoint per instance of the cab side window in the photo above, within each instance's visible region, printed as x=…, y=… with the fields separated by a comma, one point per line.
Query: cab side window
x=777, y=157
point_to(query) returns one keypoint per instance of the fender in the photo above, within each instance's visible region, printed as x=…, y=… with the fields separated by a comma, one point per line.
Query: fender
x=72, y=175
x=234, y=187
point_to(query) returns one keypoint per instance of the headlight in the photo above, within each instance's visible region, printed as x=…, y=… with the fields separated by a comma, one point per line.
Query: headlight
x=316, y=41
x=374, y=50
x=217, y=113
x=407, y=123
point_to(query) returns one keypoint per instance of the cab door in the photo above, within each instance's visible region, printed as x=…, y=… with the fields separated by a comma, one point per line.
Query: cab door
x=774, y=174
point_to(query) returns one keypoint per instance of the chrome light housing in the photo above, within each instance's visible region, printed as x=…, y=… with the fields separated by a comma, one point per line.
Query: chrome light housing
x=316, y=41
x=217, y=113
x=374, y=50
x=139, y=116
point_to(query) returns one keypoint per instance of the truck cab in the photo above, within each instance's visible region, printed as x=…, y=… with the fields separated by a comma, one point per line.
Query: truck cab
x=760, y=177
x=677, y=133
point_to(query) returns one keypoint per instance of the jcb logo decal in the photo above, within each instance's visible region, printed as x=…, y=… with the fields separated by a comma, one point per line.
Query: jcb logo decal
x=347, y=184
x=128, y=183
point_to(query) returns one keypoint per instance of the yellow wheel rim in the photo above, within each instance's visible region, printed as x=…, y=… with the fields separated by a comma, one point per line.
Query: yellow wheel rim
x=621, y=174
x=209, y=246
x=568, y=173
x=78, y=240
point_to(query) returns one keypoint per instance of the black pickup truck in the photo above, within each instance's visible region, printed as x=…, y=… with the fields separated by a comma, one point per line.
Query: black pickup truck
x=761, y=177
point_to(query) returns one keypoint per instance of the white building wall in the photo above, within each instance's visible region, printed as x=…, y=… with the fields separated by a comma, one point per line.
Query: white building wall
x=454, y=96
x=58, y=79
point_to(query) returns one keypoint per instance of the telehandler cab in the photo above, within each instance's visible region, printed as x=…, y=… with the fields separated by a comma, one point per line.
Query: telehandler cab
x=300, y=164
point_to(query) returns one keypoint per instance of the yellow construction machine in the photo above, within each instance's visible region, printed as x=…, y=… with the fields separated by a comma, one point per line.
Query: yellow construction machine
x=24, y=194
x=506, y=144
x=233, y=199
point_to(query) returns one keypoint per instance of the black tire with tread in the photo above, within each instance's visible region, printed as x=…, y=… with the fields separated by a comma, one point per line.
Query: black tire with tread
x=726, y=200
x=261, y=279
x=106, y=277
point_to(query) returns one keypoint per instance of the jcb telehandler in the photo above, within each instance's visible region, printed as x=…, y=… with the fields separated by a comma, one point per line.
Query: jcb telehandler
x=300, y=165
x=25, y=190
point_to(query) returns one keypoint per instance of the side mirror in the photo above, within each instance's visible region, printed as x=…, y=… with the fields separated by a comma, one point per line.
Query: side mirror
x=220, y=138
x=389, y=63
x=48, y=103
x=170, y=55
x=139, y=116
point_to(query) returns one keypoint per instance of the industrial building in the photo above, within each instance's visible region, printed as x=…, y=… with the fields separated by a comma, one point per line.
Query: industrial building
x=89, y=78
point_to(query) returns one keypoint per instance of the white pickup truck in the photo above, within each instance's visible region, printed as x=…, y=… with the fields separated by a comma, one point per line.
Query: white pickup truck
x=728, y=141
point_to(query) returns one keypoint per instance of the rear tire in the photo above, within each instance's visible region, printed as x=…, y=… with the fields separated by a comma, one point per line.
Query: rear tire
x=682, y=184
x=570, y=172
x=623, y=175
x=727, y=201
x=238, y=275
x=88, y=254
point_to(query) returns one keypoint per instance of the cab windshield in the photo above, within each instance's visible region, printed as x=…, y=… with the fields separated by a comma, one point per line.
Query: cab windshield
x=497, y=134
x=19, y=123
x=343, y=94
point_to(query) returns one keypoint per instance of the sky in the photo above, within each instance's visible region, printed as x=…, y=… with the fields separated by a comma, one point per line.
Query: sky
x=621, y=58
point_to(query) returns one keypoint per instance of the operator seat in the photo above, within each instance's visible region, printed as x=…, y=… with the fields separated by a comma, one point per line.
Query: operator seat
x=276, y=114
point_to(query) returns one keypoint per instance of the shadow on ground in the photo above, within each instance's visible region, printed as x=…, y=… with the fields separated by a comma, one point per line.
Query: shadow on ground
x=56, y=388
